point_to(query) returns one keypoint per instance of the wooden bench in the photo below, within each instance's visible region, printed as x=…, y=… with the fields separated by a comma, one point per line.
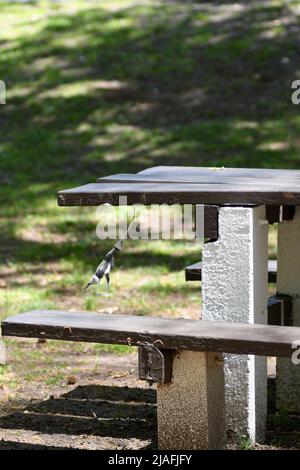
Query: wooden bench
x=194, y=271
x=184, y=358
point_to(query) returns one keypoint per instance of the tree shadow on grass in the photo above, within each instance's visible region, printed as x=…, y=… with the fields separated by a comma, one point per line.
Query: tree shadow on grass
x=103, y=91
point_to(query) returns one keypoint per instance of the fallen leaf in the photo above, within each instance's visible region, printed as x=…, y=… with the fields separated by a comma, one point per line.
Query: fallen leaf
x=71, y=380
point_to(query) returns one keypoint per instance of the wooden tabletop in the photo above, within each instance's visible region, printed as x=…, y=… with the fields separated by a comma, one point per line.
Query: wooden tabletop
x=190, y=185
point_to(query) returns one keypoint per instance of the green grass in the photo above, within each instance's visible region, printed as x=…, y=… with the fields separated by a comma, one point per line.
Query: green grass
x=245, y=443
x=3, y=370
x=53, y=380
x=114, y=348
x=95, y=88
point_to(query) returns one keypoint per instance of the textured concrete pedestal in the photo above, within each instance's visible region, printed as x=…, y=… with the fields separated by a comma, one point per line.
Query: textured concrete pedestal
x=288, y=282
x=190, y=409
x=2, y=352
x=234, y=288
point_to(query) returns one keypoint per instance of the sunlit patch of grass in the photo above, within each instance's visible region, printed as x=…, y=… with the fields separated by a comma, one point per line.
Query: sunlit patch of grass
x=90, y=304
x=24, y=298
x=54, y=379
x=115, y=348
x=7, y=378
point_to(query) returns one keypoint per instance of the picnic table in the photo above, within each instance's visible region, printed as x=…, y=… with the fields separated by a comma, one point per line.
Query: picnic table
x=234, y=266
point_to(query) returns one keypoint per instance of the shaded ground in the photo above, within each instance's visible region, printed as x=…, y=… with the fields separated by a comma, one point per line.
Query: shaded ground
x=97, y=403
x=73, y=396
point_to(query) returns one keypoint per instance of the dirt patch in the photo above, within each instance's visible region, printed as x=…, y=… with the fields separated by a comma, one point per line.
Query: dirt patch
x=107, y=409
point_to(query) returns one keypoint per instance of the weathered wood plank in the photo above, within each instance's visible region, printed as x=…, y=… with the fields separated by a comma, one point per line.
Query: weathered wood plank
x=211, y=222
x=193, y=185
x=94, y=194
x=185, y=171
x=194, y=271
x=273, y=214
x=199, y=179
x=276, y=214
x=166, y=333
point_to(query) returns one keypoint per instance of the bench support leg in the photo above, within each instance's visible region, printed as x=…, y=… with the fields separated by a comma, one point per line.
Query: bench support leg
x=288, y=282
x=234, y=288
x=190, y=409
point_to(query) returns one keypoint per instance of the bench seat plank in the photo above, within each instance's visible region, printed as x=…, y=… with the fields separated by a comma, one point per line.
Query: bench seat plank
x=194, y=335
x=194, y=271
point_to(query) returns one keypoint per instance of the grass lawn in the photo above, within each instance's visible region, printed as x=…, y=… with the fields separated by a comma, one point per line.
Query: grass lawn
x=95, y=88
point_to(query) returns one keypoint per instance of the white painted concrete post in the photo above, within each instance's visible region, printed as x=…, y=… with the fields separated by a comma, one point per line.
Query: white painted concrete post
x=288, y=282
x=190, y=409
x=234, y=288
x=2, y=352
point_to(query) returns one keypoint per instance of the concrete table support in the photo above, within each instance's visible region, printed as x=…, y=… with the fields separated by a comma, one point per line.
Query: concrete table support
x=234, y=288
x=2, y=352
x=288, y=282
x=190, y=409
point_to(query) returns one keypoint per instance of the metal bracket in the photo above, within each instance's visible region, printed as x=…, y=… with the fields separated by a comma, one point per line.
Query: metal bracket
x=155, y=365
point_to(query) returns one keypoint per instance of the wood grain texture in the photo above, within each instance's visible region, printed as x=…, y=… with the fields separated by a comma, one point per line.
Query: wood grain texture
x=193, y=272
x=211, y=222
x=186, y=171
x=199, y=179
x=276, y=214
x=191, y=185
x=94, y=194
x=168, y=333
